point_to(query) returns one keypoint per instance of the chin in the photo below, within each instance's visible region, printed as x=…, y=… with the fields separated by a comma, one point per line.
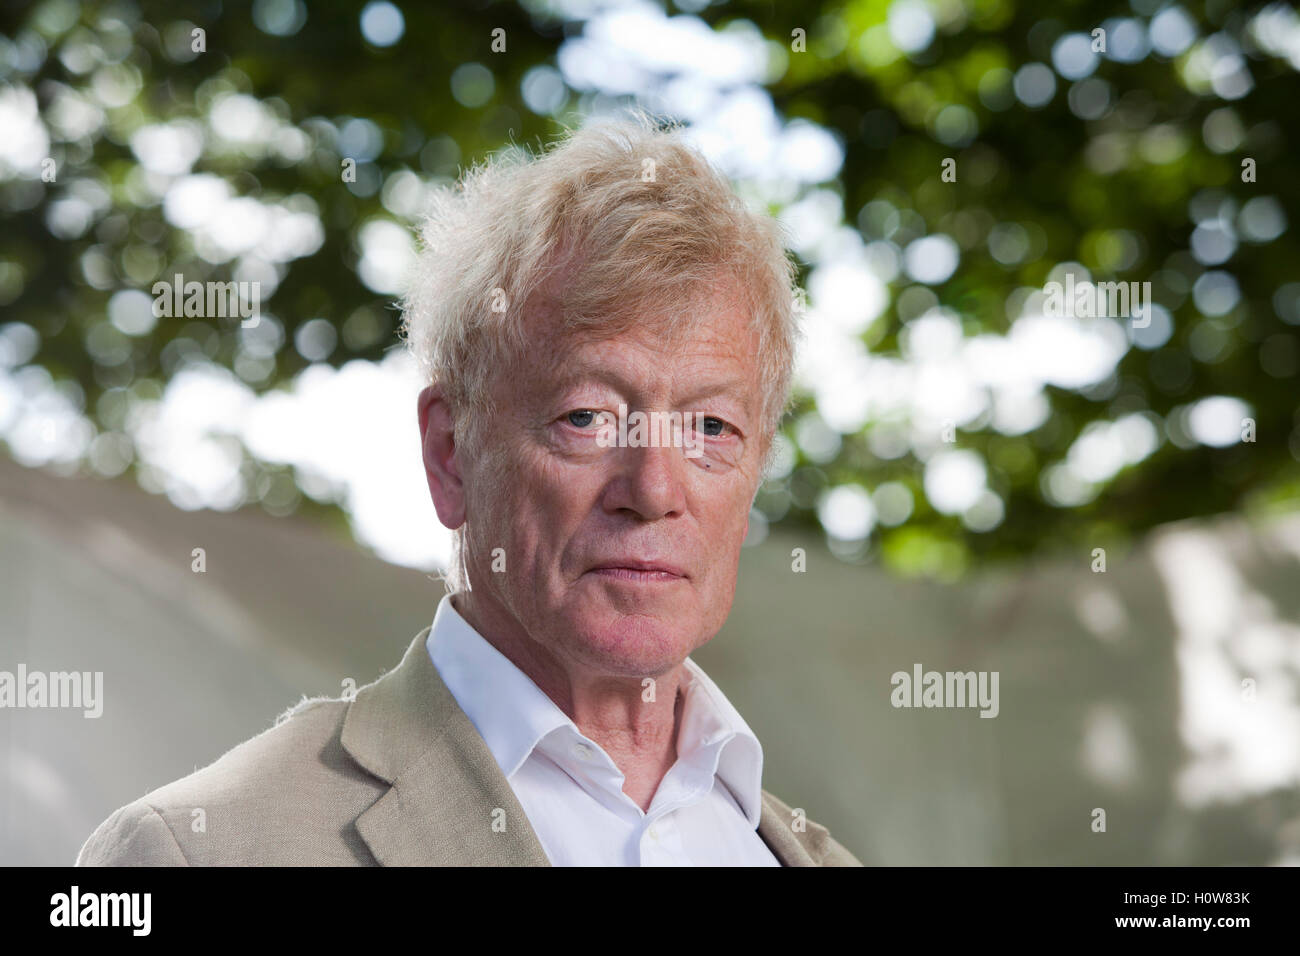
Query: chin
x=636, y=644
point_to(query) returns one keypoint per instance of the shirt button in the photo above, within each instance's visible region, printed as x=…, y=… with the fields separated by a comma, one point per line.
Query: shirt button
x=654, y=834
x=583, y=751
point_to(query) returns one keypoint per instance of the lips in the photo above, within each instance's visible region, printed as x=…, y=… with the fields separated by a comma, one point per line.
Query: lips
x=636, y=568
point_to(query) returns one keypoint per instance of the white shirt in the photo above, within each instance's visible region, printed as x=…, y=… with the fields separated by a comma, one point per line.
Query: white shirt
x=705, y=812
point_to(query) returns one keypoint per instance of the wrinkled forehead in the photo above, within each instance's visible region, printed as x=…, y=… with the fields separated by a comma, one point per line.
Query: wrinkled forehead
x=707, y=339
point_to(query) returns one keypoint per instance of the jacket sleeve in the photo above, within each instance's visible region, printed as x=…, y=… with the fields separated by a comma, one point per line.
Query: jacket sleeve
x=135, y=835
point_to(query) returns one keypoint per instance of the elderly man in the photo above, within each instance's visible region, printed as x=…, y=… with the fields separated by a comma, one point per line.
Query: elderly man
x=551, y=714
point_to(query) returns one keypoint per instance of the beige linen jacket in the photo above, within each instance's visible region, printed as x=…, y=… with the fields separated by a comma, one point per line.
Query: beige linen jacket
x=397, y=776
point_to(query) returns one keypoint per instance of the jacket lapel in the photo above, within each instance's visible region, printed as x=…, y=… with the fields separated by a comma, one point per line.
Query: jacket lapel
x=448, y=803
x=790, y=847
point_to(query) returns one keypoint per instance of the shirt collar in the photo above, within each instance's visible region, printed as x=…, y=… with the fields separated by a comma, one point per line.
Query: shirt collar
x=513, y=715
x=710, y=724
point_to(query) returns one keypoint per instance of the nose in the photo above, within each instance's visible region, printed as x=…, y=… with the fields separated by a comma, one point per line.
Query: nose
x=647, y=483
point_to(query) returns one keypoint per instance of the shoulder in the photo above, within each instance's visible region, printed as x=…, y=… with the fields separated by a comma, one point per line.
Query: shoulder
x=815, y=838
x=283, y=795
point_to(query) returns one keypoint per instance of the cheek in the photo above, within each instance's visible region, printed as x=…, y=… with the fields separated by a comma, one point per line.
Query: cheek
x=723, y=534
x=539, y=503
x=502, y=513
x=556, y=493
x=726, y=515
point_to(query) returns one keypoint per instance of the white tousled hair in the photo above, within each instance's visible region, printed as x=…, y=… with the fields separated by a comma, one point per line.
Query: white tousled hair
x=616, y=226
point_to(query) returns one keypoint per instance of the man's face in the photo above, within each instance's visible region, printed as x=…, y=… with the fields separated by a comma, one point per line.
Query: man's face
x=621, y=560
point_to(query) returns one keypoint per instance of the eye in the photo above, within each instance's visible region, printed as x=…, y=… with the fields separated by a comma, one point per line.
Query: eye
x=582, y=418
x=714, y=427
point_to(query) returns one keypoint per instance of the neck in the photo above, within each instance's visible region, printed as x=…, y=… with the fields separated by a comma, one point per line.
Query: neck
x=640, y=736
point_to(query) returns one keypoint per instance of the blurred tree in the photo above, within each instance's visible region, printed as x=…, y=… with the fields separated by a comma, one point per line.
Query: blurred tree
x=984, y=121
x=1121, y=171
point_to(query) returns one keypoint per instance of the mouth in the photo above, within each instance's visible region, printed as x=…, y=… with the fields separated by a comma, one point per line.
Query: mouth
x=639, y=572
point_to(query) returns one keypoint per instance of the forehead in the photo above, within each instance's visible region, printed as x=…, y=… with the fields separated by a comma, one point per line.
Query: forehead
x=710, y=342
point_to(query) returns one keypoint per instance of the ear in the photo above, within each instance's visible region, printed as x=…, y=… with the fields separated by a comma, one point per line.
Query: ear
x=438, y=443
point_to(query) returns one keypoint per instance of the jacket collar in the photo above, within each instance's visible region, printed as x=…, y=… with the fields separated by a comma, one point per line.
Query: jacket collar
x=448, y=803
